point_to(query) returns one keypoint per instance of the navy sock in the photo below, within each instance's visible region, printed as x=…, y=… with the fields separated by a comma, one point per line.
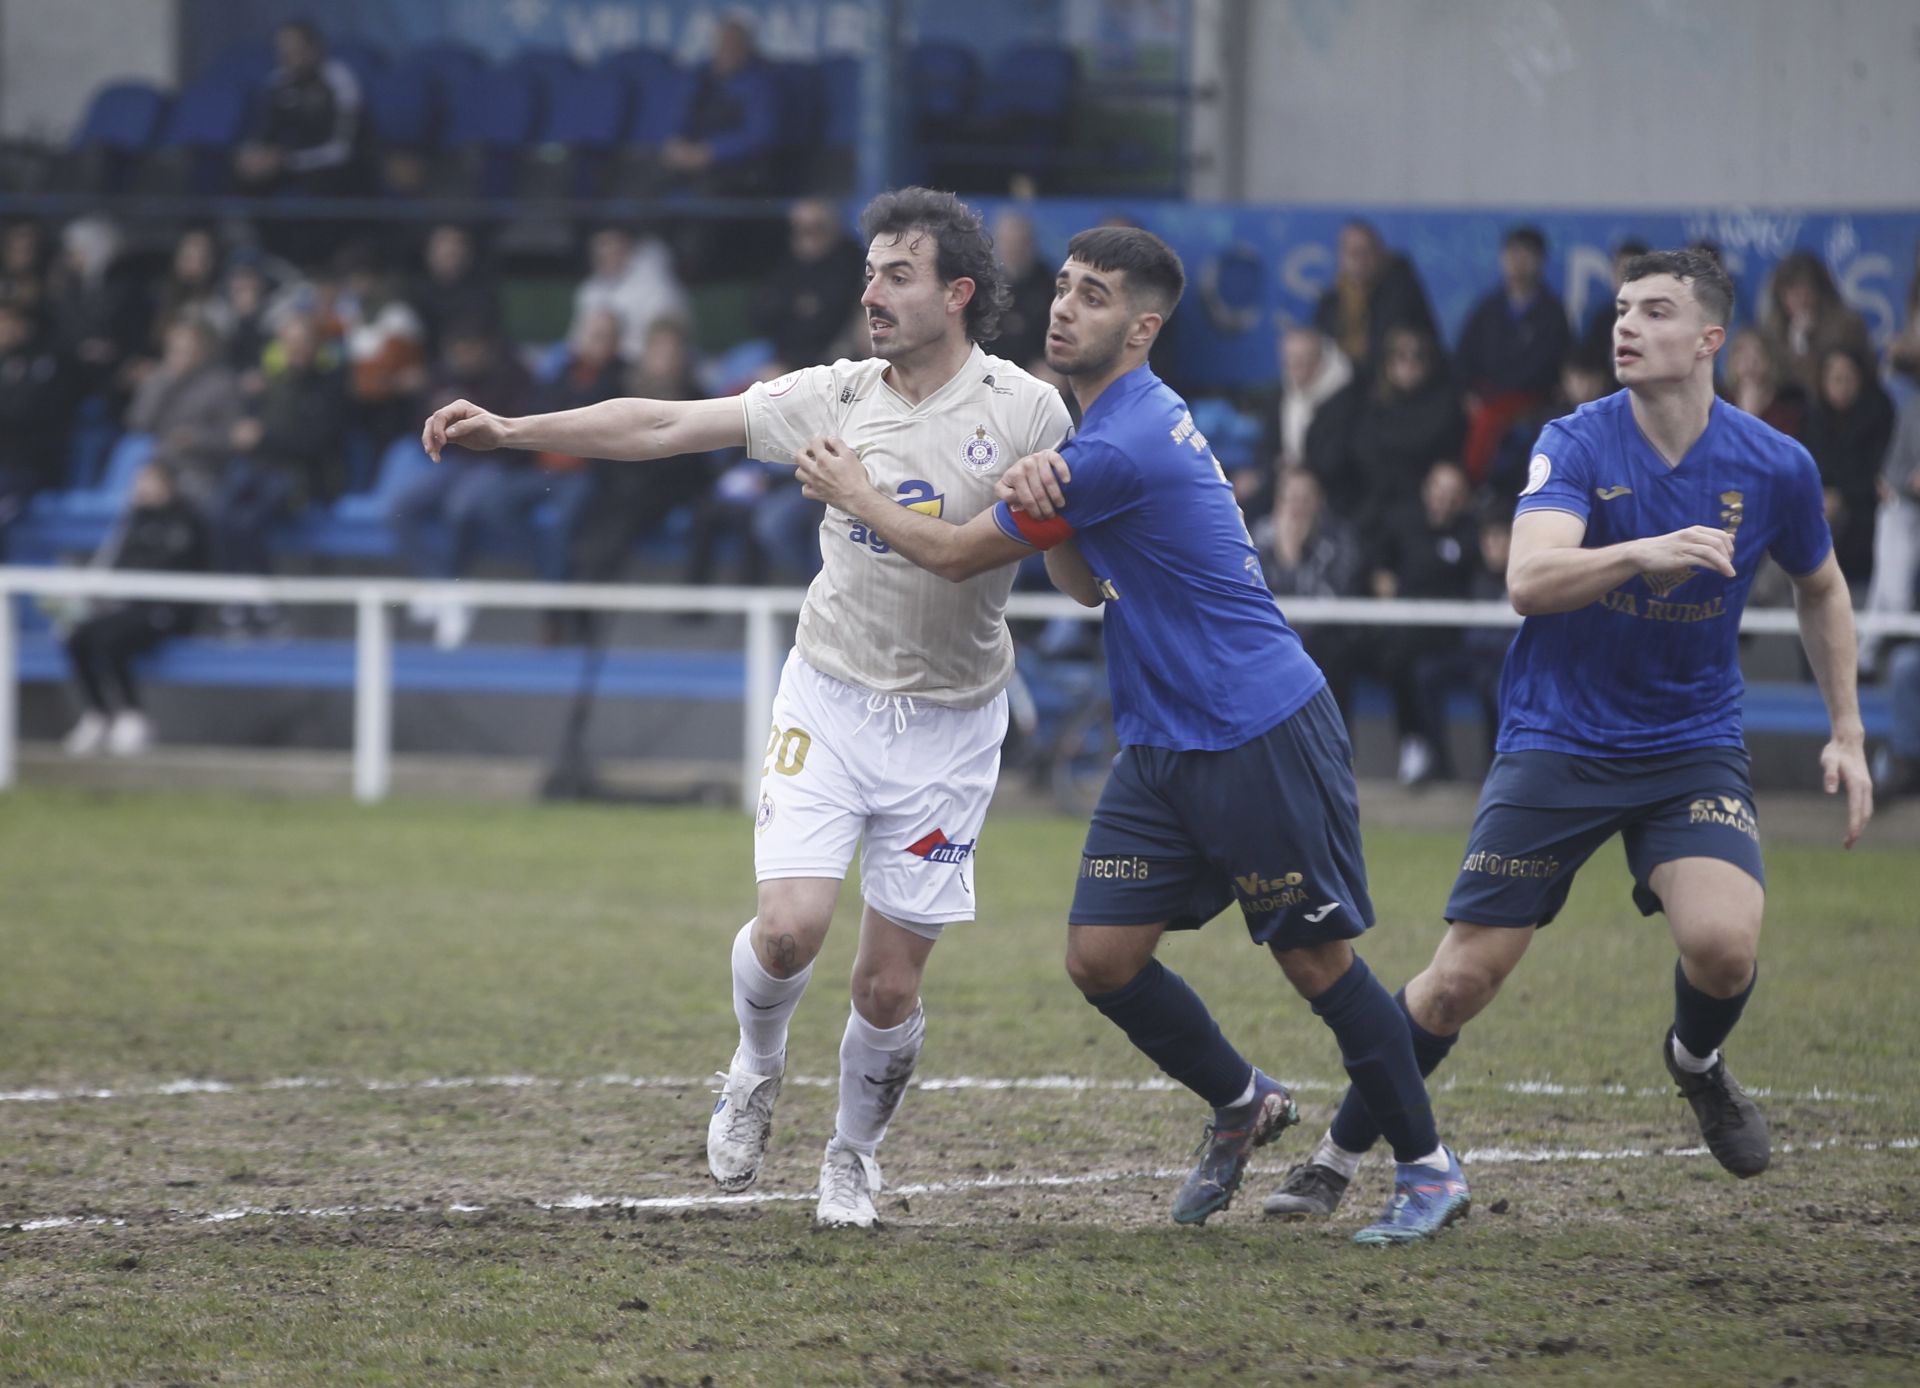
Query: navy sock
x=1703, y=1022
x=1167, y=1021
x=1353, y=1128
x=1389, y=1094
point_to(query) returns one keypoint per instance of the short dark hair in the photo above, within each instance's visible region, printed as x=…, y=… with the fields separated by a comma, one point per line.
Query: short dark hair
x=1711, y=287
x=1531, y=237
x=1152, y=267
x=963, y=248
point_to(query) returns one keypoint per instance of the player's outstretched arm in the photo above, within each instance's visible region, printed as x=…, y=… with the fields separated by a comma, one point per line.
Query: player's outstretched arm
x=626, y=429
x=1549, y=571
x=832, y=472
x=1825, y=610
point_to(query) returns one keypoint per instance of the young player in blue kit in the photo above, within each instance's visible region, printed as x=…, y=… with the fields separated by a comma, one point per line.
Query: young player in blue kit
x=1644, y=518
x=1234, y=778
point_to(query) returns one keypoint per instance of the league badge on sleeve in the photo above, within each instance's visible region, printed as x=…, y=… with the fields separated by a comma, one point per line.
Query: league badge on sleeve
x=1538, y=471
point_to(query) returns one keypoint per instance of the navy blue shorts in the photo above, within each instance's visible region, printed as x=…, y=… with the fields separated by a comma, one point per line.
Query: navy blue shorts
x=1542, y=815
x=1178, y=836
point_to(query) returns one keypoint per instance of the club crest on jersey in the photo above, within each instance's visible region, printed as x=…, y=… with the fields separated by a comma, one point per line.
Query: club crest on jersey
x=1538, y=471
x=938, y=848
x=981, y=451
x=1733, y=510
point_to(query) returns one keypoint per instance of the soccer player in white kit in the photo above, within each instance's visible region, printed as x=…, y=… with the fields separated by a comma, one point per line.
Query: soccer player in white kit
x=891, y=709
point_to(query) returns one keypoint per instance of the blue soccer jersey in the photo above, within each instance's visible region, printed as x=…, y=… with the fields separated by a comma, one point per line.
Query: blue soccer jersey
x=1653, y=666
x=1198, y=655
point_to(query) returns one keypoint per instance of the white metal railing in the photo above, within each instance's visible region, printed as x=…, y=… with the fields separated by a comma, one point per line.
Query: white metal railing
x=373, y=598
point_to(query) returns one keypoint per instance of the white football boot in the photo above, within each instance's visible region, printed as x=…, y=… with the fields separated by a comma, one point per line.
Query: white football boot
x=848, y=1182
x=742, y=1122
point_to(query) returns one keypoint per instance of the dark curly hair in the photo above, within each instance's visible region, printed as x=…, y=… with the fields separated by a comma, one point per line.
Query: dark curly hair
x=963, y=248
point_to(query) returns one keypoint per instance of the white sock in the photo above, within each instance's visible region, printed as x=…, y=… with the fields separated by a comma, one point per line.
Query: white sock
x=1436, y=1160
x=875, y=1065
x=1692, y=1063
x=1246, y=1095
x=1332, y=1155
x=764, y=1005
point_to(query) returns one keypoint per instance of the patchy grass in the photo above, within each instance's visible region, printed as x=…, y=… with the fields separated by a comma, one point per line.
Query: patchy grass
x=411, y=1230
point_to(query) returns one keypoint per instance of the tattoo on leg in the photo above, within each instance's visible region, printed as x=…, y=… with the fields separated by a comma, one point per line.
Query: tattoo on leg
x=784, y=954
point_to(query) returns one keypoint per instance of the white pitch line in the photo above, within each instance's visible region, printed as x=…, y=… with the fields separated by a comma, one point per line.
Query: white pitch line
x=1074, y=1084
x=1472, y=1158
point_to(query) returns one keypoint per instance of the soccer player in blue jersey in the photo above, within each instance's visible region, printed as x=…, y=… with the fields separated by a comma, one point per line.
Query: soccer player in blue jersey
x=1234, y=779
x=1644, y=518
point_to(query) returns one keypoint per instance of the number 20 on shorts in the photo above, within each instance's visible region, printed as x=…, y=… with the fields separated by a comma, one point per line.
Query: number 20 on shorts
x=786, y=751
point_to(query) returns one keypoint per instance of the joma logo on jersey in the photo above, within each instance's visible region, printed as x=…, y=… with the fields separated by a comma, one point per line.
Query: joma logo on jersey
x=937, y=848
x=915, y=494
x=1727, y=811
x=1259, y=893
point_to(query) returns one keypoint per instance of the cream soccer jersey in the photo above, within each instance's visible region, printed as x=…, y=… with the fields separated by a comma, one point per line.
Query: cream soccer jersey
x=872, y=618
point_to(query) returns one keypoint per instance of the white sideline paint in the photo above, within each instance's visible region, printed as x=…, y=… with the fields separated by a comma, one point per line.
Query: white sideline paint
x=1474, y=1157
x=1075, y=1084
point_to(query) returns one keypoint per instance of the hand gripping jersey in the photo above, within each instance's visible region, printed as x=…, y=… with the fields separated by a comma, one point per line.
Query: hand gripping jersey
x=1198, y=655
x=1653, y=666
x=871, y=618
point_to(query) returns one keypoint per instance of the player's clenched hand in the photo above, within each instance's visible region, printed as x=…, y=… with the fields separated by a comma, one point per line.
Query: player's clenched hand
x=1843, y=762
x=1032, y=485
x=832, y=472
x=1696, y=547
x=464, y=423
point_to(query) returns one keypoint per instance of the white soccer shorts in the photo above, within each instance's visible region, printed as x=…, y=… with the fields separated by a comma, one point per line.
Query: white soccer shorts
x=913, y=778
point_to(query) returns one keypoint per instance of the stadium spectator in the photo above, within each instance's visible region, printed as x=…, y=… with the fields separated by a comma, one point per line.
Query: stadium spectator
x=161, y=532
x=92, y=311
x=1409, y=420
x=23, y=267
x=730, y=128
x=384, y=342
x=1374, y=290
x=1429, y=547
x=634, y=280
x=306, y=121
x=1307, y=418
x=188, y=403
x=1512, y=348
x=1307, y=550
x=801, y=307
x=190, y=288
x=37, y=396
x=635, y=501
x=1023, y=327
x=244, y=314
x=454, y=286
x=1803, y=315
x=1473, y=663
x=1896, y=764
x=440, y=519
x=1903, y=353
x=1582, y=381
x=1596, y=335
x=288, y=453
x=1754, y=384
x=1896, y=531
x=1848, y=428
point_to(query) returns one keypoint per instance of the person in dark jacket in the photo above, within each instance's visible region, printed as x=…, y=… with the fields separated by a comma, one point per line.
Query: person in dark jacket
x=1510, y=353
x=37, y=397
x=731, y=125
x=801, y=307
x=288, y=449
x=1410, y=419
x=162, y=533
x=1847, y=430
x=305, y=136
x=1374, y=290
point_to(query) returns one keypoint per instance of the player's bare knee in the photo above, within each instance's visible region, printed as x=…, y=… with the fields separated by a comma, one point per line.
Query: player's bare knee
x=1095, y=970
x=1452, y=992
x=1720, y=965
x=786, y=939
x=886, y=997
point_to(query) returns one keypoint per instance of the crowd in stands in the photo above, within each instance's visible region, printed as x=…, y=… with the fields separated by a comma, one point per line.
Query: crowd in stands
x=270, y=377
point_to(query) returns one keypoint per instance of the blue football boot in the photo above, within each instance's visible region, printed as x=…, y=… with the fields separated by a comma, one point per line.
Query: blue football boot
x=1228, y=1142
x=1424, y=1202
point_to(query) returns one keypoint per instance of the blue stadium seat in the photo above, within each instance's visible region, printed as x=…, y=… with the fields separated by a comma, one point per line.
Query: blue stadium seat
x=1029, y=93
x=490, y=116
x=245, y=64
x=660, y=105
x=123, y=117
x=943, y=82
x=364, y=60
x=91, y=439
x=403, y=108
x=586, y=116
x=207, y=121
x=77, y=520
